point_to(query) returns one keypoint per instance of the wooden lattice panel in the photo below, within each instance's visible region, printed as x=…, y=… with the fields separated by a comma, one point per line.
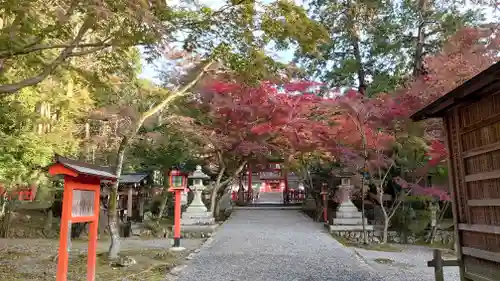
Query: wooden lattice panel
x=482, y=241
x=484, y=189
x=480, y=267
x=474, y=143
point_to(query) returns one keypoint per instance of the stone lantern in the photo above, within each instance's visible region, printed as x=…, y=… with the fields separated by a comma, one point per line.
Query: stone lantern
x=345, y=187
x=347, y=216
x=196, y=218
x=197, y=204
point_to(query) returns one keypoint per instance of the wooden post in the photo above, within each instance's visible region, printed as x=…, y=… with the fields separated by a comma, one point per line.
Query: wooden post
x=438, y=266
x=65, y=232
x=177, y=187
x=141, y=203
x=177, y=218
x=250, y=196
x=324, y=192
x=130, y=194
x=438, y=263
x=285, y=179
x=453, y=194
x=93, y=236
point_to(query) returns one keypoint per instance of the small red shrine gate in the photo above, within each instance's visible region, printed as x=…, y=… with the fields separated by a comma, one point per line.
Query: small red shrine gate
x=82, y=185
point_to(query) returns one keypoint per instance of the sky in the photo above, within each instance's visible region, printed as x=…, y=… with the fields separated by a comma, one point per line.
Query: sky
x=150, y=70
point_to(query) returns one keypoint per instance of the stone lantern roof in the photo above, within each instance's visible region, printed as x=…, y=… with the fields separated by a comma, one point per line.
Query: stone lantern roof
x=198, y=174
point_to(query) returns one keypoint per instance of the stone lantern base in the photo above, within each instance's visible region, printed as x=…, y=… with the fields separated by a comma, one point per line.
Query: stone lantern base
x=347, y=216
x=197, y=218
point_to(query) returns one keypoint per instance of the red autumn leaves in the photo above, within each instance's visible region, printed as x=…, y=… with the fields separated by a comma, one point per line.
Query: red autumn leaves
x=263, y=119
x=267, y=119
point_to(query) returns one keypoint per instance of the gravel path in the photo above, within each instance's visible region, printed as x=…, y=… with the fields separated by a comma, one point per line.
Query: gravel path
x=281, y=245
x=410, y=264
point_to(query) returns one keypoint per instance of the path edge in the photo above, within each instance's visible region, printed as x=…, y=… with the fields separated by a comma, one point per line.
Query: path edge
x=176, y=271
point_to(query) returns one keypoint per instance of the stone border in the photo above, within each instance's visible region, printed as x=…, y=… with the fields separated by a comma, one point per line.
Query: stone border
x=375, y=236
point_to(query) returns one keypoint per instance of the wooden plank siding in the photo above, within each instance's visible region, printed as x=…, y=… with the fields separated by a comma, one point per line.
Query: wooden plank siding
x=473, y=130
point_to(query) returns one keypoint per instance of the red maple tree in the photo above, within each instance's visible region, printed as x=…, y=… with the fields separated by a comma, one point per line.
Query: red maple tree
x=465, y=54
x=369, y=134
x=250, y=123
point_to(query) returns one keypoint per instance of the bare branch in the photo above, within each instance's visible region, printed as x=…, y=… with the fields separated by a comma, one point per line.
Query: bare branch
x=179, y=92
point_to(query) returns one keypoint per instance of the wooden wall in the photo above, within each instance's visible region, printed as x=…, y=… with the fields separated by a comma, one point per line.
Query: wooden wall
x=473, y=130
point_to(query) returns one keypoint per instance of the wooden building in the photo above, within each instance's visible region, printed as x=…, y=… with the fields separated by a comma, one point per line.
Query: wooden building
x=471, y=115
x=133, y=193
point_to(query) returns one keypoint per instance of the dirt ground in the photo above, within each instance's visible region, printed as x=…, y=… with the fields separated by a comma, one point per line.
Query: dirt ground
x=34, y=259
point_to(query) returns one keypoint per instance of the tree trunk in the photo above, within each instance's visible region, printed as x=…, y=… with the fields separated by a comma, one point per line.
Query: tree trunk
x=363, y=222
x=113, y=223
x=217, y=207
x=213, y=199
x=163, y=203
x=241, y=195
x=48, y=222
x=386, y=229
x=434, y=229
x=384, y=212
x=3, y=206
x=216, y=186
x=355, y=42
x=114, y=232
x=419, y=51
x=5, y=221
x=319, y=206
x=142, y=200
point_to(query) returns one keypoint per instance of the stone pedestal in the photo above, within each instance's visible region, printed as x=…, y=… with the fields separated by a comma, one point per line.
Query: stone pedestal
x=197, y=218
x=347, y=216
x=184, y=198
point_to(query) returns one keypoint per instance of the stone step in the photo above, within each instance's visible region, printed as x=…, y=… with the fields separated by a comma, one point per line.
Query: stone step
x=199, y=228
x=348, y=215
x=277, y=207
x=347, y=209
x=197, y=221
x=334, y=228
x=196, y=216
x=349, y=221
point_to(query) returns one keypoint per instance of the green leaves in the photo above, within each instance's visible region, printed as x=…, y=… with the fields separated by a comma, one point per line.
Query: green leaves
x=44, y=35
x=386, y=35
x=21, y=158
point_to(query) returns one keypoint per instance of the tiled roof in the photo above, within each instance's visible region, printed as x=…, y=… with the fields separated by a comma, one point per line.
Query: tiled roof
x=85, y=168
x=133, y=178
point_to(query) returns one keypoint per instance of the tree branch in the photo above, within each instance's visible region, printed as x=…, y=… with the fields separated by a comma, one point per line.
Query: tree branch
x=37, y=48
x=14, y=87
x=88, y=51
x=179, y=92
x=235, y=174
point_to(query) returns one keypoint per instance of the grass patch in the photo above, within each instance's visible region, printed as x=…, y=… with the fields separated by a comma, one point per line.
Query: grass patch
x=371, y=247
x=435, y=245
x=152, y=265
x=379, y=247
